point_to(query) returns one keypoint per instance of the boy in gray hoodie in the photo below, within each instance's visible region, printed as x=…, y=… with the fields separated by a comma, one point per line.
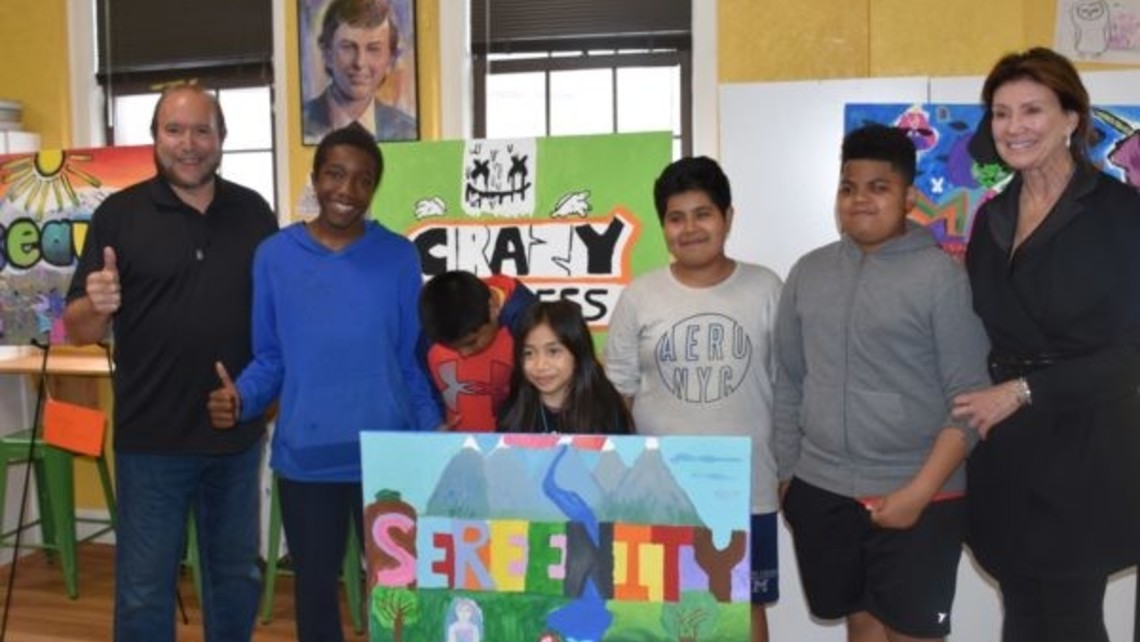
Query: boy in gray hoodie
x=874, y=337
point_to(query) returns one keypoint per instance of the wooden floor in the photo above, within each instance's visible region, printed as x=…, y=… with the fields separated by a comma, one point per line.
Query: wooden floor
x=41, y=611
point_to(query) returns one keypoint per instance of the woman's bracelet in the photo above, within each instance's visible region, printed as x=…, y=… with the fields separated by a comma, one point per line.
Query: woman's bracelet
x=1023, y=392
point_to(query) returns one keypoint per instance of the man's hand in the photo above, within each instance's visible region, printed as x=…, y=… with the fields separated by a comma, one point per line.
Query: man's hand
x=103, y=286
x=225, y=402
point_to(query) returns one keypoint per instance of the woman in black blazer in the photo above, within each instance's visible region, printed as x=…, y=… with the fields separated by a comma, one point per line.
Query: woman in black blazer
x=1054, y=261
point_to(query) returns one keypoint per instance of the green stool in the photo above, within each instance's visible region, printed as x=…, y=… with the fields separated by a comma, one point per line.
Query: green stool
x=350, y=571
x=192, y=555
x=55, y=490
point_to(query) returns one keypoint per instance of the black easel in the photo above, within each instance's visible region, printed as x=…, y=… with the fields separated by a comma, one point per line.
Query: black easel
x=41, y=389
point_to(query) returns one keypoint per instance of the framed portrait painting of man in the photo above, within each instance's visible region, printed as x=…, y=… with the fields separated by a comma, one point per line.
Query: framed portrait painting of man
x=358, y=64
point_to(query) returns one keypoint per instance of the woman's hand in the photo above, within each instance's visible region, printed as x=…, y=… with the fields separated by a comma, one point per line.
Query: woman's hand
x=988, y=407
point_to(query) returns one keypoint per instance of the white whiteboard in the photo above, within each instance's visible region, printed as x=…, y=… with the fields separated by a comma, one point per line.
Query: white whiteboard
x=779, y=146
x=780, y=143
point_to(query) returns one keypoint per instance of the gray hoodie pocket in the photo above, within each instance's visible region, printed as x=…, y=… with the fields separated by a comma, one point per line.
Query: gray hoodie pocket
x=876, y=423
x=821, y=417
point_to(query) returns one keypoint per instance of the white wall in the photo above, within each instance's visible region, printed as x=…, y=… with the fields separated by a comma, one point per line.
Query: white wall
x=779, y=144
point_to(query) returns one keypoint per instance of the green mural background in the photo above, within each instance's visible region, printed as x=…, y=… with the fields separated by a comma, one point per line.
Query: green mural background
x=518, y=207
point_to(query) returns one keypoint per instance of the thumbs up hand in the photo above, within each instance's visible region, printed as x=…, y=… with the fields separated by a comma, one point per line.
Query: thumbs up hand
x=225, y=402
x=103, y=286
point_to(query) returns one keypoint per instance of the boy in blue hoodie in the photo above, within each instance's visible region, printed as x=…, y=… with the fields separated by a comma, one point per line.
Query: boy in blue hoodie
x=875, y=335
x=334, y=335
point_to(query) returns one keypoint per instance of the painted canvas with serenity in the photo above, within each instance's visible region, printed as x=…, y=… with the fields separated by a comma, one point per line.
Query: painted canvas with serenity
x=553, y=538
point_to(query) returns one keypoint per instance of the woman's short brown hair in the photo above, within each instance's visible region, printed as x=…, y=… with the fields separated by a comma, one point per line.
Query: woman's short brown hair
x=1051, y=69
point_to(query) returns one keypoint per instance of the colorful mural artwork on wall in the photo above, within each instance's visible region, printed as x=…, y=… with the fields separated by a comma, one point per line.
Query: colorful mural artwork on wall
x=46, y=201
x=554, y=538
x=953, y=179
x=572, y=217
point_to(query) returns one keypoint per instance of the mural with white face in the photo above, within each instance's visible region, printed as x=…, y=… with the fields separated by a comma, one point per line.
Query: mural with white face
x=499, y=177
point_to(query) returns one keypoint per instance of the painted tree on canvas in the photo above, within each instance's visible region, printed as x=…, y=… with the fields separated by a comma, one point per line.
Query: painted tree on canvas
x=395, y=608
x=691, y=618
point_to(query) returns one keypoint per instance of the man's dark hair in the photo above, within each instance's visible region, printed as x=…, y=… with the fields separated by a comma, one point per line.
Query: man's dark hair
x=364, y=14
x=354, y=135
x=219, y=117
x=881, y=143
x=698, y=173
x=453, y=305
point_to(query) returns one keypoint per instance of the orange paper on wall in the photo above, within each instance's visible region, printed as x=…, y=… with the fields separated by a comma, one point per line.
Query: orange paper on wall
x=75, y=428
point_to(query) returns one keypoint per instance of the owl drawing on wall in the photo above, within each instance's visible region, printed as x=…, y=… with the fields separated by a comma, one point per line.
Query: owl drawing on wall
x=1091, y=27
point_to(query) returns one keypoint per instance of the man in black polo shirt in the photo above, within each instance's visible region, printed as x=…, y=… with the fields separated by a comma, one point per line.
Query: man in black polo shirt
x=167, y=262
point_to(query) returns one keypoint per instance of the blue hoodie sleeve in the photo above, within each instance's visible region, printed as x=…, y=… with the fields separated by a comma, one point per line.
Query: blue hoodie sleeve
x=420, y=392
x=260, y=382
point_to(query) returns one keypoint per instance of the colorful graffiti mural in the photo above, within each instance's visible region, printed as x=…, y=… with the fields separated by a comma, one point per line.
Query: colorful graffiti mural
x=521, y=538
x=46, y=202
x=572, y=217
x=954, y=178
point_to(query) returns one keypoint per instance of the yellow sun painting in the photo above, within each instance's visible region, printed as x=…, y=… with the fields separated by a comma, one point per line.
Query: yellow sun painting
x=42, y=182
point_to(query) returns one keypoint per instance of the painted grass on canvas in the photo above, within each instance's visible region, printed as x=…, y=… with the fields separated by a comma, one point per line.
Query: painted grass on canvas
x=512, y=617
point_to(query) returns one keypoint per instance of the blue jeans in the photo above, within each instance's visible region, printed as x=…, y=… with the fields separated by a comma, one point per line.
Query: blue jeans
x=155, y=495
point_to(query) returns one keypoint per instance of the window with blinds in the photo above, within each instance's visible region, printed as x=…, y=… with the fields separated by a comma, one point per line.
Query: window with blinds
x=144, y=45
x=561, y=67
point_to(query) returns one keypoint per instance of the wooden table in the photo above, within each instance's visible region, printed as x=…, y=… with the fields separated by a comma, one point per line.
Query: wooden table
x=62, y=361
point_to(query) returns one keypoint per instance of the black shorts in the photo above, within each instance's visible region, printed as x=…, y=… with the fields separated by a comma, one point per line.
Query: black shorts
x=765, y=560
x=905, y=578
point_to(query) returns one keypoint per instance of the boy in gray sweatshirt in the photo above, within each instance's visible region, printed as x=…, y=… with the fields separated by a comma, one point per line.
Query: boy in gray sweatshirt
x=875, y=335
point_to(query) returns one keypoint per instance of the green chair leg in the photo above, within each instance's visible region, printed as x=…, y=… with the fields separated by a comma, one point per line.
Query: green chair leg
x=43, y=501
x=193, y=559
x=108, y=491
x=353, y=579
x=58, y=469
x=272, y=555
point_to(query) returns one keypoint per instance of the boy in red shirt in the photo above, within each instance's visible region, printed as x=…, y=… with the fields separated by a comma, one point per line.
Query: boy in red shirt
x=471, y=323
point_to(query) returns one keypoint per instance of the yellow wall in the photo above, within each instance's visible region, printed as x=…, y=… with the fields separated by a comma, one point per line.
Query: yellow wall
x=762, y=40
x=770, y=40
x=34, y=66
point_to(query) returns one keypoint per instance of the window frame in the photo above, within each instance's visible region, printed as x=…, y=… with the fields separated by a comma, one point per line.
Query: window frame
x=581, y=57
